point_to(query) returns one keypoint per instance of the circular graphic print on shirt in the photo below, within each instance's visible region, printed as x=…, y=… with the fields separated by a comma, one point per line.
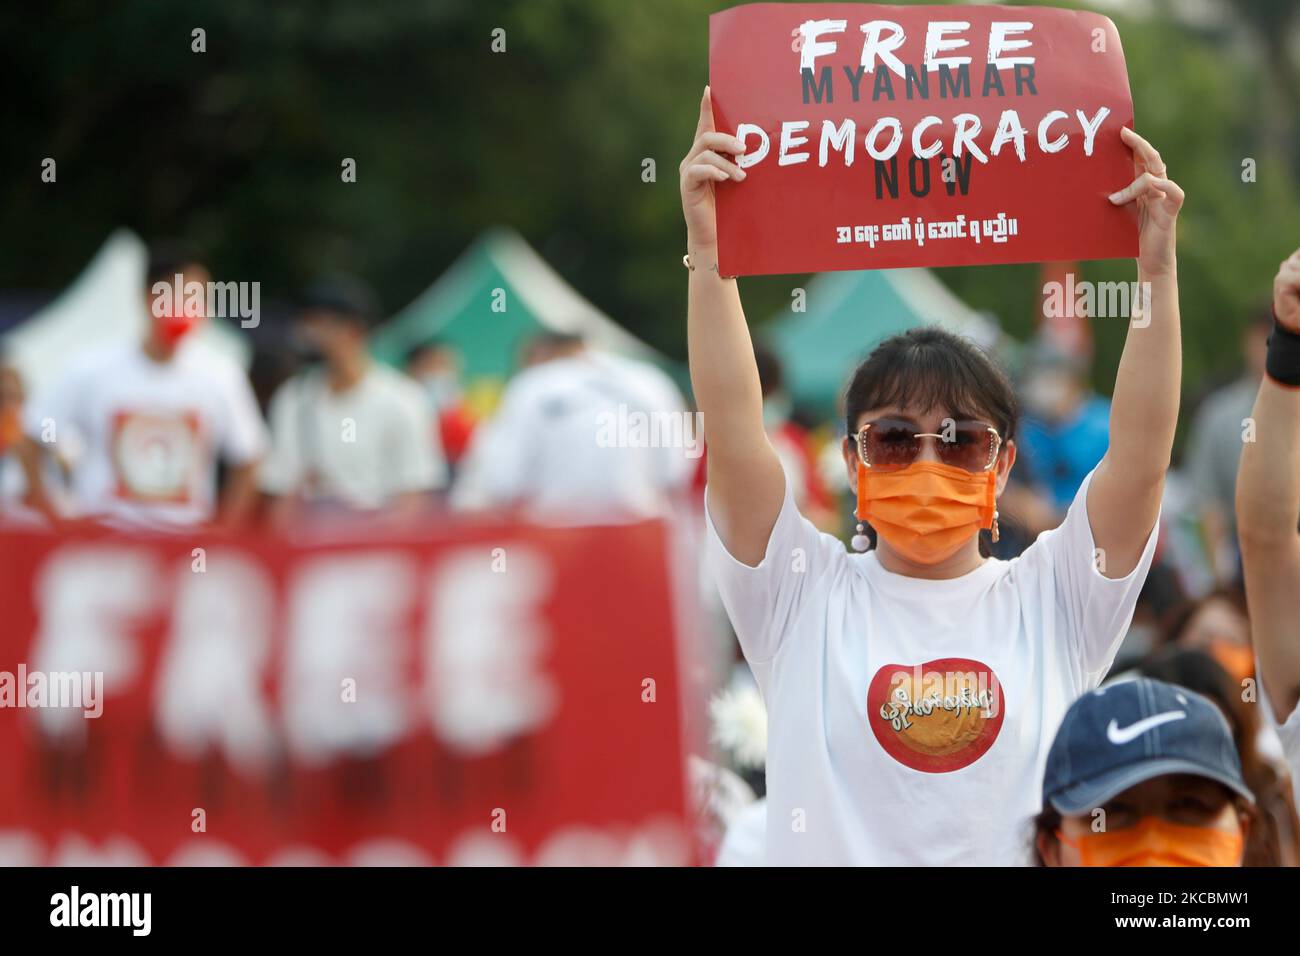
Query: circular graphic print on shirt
x=936, y=717
x=156, y=457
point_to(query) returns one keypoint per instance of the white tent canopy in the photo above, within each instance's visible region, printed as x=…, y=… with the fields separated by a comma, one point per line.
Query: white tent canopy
x=556, y=303
x=103, y=305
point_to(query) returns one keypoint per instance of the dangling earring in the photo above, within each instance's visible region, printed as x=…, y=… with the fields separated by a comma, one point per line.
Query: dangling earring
x=860, y=540
x=995, y=525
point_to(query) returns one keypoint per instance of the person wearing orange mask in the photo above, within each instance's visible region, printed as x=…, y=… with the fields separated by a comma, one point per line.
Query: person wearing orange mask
x=1274, y=838
x=1143, y=773
x=1268, y=505
x=1219, y=624
x=11, y=404
x=11, y=430
x=912, y=688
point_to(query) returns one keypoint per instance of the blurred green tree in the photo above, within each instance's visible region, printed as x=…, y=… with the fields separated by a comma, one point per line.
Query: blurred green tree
x=240, y=147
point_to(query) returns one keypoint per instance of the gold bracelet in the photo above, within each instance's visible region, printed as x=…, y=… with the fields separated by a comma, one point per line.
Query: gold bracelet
x=686, y=261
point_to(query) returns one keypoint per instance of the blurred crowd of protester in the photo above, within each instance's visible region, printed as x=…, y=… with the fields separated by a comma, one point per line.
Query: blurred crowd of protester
x=160, y=434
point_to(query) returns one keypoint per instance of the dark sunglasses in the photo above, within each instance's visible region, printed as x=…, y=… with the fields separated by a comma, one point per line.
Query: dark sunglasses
x=888, y=444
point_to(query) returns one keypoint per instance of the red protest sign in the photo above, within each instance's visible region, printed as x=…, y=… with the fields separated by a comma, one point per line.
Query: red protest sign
x=884, y=137
x=462, y=696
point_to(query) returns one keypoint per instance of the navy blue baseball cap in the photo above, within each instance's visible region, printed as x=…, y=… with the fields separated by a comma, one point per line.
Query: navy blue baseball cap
x=1130, y=731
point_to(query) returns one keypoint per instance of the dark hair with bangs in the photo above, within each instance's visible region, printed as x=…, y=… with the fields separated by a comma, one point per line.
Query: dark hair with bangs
x=930, y=367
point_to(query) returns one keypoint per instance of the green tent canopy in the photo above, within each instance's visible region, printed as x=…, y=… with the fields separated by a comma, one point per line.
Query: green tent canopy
x=848, y=313
x=458, y=310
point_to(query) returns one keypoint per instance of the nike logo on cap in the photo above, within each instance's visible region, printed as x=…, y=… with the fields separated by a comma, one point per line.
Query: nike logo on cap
x=1123, y=735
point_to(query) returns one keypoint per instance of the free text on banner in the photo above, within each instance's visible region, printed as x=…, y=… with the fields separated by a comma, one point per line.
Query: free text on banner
x=469, y=696
x=886, y=137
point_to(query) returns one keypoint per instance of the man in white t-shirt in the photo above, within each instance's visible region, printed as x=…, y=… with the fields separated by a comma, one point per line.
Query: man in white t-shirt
x=582, y=435
x=1268, y=506
x=349, y=435
x=148, y=422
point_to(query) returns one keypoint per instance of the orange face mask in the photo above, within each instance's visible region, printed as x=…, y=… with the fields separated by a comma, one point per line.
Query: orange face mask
x=10, y=427
x=1156, y=842
x=1237, y=659
x=927, y=510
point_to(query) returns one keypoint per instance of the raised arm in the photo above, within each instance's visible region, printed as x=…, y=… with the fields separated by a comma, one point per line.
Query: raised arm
x=31, y=455
x=745, y=479
x=1268, y=504
x=1124, y=498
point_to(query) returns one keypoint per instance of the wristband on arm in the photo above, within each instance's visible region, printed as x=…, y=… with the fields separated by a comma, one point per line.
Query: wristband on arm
x=1283, y=362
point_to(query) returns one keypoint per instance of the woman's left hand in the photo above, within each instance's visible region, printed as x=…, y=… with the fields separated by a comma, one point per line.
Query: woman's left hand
x=1159, y=199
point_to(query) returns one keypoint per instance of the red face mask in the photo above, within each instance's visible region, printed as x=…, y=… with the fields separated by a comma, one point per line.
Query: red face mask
x=1156, y=842
x=172, y=328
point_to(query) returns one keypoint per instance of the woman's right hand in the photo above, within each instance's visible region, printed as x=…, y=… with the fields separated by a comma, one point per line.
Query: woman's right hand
x=1286, y=294
x=703, y=166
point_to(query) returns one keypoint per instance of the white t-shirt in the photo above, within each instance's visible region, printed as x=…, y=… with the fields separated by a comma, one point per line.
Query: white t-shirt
x=357, y=448
x=148, y=434
x=591, y=436
x=859, y=774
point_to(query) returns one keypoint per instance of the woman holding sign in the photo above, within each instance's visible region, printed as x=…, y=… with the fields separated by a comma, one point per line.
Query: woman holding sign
x=913, y=691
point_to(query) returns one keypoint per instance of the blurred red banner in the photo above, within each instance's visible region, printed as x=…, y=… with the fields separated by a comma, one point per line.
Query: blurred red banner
x=485, y=695
x=882, y=137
